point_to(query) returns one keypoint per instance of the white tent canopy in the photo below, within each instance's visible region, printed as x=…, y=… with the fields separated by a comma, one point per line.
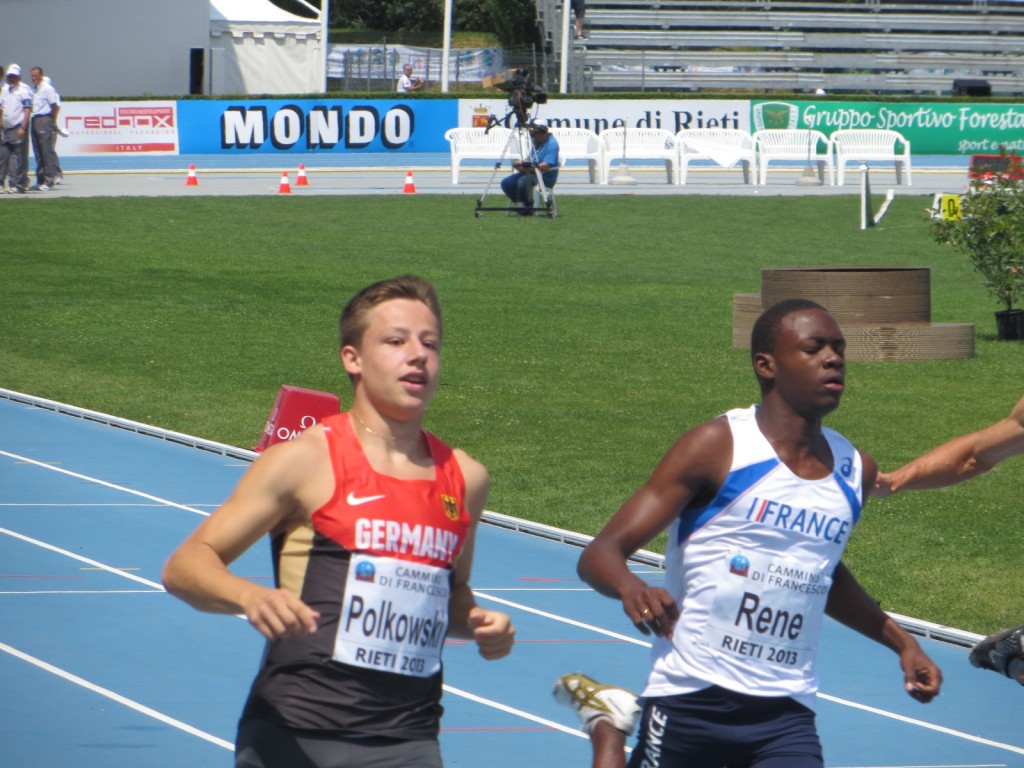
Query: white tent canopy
x=258, y=48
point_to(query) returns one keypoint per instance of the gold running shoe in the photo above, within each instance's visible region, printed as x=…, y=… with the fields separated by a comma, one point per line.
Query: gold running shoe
x=594, y=702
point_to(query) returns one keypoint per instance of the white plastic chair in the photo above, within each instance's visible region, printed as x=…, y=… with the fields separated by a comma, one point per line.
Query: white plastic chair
x=641, y=144
x=861, y=145
x=794, y=144
x=725, y=146
x=581, y=144
x=476, y=144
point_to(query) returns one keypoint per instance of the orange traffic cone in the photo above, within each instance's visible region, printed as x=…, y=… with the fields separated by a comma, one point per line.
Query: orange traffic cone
x=285, y=188
x=410, y=185
x=192, y=180
x=300, y=180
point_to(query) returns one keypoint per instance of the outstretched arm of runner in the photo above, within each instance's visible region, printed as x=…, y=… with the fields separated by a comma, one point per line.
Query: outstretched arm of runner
x=960, y=459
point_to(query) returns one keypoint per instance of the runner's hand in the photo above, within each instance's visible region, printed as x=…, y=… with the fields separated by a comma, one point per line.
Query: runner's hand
x=923, y=676
x=278, y=612
x=652, y=610
x=493, y=632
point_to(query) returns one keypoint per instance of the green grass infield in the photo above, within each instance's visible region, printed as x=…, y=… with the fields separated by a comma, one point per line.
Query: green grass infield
x=576, y=349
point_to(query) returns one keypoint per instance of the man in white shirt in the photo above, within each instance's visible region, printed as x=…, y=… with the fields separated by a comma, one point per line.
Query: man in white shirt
x=16, y=102
x=45, y=110
x=406, y=82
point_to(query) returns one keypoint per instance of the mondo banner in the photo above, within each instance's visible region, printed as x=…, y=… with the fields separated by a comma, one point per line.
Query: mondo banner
x=312, y=126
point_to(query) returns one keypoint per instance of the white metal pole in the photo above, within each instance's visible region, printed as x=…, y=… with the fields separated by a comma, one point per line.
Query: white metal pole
x=446, y=50
x=325, y=46
x=566, y=50
x=865, y=198
x=322, y=16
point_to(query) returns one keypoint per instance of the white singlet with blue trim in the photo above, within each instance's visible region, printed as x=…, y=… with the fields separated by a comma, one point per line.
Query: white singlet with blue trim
x=751, y=571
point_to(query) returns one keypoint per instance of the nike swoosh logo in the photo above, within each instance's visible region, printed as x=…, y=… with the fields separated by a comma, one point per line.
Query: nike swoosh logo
x=355, y=501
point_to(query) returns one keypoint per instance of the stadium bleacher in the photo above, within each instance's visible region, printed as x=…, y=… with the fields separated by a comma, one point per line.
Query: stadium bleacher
x=862, y=46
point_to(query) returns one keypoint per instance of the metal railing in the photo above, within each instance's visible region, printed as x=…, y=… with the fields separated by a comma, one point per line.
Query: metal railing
x=376, y=67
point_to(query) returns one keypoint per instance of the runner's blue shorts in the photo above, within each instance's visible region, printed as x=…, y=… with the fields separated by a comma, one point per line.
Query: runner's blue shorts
x=718, y=728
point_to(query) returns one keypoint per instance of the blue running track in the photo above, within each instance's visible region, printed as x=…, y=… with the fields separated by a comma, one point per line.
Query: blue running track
x=100, y=668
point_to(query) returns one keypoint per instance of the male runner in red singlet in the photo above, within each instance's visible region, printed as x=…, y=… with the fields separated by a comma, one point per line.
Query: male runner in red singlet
x=371, y=522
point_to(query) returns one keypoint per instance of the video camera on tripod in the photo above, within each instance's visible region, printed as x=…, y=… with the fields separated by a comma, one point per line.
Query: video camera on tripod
x=523, y=93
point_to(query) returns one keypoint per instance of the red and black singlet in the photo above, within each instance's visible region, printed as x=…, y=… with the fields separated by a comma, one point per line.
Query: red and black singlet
x=376, y=565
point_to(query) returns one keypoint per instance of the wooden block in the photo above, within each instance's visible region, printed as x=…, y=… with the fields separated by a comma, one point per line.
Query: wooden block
x=855, y=295
x=889, y=342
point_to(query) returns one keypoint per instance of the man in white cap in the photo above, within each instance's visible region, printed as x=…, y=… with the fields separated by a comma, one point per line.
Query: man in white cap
x=16, y=102
x=543, y=157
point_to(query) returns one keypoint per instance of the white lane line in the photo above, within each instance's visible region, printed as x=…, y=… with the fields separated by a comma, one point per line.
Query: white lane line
x=563, y=620
x=922, y=724
x=81, y=559
x=535, y=589
x=513, y=711
x=104, y=483
x=827, y=697
x=519, y=713
x=141, y=708
x=65, y=505
x=92, y=686
x=84, y=592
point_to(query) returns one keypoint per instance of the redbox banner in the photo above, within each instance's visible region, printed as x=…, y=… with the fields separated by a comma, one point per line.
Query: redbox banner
x=118, y=128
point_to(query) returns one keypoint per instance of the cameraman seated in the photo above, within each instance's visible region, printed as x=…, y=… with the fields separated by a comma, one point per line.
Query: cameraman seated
x=544, y=157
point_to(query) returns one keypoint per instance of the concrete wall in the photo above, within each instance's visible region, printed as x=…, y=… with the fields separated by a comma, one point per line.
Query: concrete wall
x=106, y=47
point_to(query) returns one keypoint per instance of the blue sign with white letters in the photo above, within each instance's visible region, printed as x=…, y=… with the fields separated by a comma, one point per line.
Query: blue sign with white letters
x=314, y=125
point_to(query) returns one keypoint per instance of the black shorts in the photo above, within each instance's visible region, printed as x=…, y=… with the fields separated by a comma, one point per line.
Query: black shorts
x=579, y=8
x=715, y=727
x=261, y=744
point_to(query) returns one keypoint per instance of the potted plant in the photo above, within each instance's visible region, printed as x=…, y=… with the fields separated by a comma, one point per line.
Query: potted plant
x=990, y=233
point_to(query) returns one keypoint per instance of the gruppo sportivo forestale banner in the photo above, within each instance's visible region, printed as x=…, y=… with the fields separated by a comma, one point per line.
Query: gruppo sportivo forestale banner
x=396, y=125
x=931, y=129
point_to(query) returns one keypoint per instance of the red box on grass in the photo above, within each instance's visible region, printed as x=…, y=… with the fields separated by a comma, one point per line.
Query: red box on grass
x=986, y=166
x=295, y=410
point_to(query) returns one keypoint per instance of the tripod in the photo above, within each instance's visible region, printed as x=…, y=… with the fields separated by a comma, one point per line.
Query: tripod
x=519, y=146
